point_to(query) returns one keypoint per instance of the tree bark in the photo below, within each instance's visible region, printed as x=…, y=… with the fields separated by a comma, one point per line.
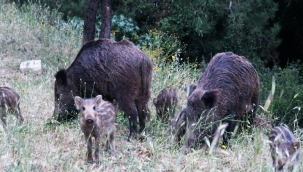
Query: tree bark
x=106, y=19
x=90, y=21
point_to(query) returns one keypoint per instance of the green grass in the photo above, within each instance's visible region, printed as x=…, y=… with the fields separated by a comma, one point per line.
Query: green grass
x=34, y=32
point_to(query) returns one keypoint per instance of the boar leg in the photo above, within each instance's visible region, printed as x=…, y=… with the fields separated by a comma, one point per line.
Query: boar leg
x=232, y=123
x=110, y=143
x=142, y=113
x=89, y=149
x=229, y=131
x=3, y=120
x=255, y=106
x=18, y=115
x=97, y=142
x=132, y=118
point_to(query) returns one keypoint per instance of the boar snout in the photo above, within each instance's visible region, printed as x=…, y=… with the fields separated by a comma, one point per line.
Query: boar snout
x=89, y=120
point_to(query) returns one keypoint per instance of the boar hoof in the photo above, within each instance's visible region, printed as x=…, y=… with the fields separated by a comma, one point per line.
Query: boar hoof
x=184, y=150
x=90, y=161
x=50, y=121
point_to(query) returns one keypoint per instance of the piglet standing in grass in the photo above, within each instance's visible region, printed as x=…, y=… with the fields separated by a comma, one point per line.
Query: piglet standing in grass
x=178, y=123
x=97, y=120
x=285, y=148
x=9, y=101
x=166, y=103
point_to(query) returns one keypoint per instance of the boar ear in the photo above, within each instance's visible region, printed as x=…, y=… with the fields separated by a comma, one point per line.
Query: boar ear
x=78, y=102
x=155, y=101
x=191, y=88
x=61, y=77
x=210, y=98
x=98, y=99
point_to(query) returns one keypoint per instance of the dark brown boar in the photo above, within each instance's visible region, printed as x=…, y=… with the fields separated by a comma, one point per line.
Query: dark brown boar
x=226, y=92
x=166, y=103
x=9, y=101
x=285, y=148
x=97, y=120
x=116, y=70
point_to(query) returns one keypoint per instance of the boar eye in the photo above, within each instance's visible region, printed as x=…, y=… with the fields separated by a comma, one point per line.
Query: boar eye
x=83, y=108
x=94, y=107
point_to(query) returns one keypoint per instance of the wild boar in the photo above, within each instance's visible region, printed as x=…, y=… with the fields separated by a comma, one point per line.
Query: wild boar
x=9, y=100
x=178, y=123
x=116, y=70
x=97, y=120
x=285, y=148
x=263, y=122
x=226, y=91
x=166, y=103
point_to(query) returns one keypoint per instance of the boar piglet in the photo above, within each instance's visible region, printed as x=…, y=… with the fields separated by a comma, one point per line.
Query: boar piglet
x=166, y=103
x=285, y=148
x=9, y=101
x=97, y=120
x=178, y=125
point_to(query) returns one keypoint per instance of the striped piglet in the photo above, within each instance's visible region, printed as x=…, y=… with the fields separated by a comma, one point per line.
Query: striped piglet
x=285, y=148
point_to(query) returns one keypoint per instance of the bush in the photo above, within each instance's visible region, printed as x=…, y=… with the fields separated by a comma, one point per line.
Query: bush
x=288, y=97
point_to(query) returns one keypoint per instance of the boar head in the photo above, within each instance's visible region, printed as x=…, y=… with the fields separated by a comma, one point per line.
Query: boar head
x=200, y=102
x=88, y=107
x=64, y=101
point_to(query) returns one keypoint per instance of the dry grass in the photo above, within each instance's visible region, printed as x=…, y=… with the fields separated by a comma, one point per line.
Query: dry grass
x=35, y=146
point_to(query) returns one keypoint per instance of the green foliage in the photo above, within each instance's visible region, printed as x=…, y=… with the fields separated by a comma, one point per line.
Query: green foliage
x=288, y=98
x=160, y=45
x=205, y=27
x=209, y=27
x=122, y=28
x=69, y=8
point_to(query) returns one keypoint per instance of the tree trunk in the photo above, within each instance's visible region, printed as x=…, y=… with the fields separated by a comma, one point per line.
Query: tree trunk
x=106, y=19
x=90, y=21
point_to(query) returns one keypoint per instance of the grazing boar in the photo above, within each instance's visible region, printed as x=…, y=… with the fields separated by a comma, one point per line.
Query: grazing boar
x=285, y=148
x=226, y=92
x=97, y=120
x=166, y=103
x=178, y=123
x=9, y=101
x=116, y=70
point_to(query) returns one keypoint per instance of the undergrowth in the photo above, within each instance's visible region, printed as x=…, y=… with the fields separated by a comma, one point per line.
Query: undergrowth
x=36, y=32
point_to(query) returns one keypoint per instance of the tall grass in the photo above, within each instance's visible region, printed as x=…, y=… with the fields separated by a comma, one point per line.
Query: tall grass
x=35, y=32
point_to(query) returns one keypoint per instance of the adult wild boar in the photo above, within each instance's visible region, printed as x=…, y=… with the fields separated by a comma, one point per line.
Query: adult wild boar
x=116, y=70
x=9, y=103
x=165, y=103
x=226, y=92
